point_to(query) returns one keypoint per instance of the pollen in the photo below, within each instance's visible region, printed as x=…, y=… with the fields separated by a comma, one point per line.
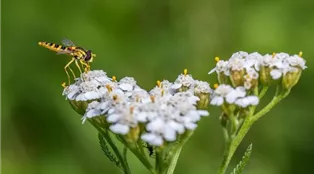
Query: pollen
x=63, y=85
x=114, y=78
x=114, y=97
x=217, y=59
x=159, y=83
x=131, y=110
x=152, y=98
x=216, y=85
x=274, y=54
x=185, y=72
x=109, y=88
x=300, y=54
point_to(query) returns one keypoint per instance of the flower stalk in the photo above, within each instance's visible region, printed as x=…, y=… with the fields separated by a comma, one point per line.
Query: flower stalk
x=232, y=144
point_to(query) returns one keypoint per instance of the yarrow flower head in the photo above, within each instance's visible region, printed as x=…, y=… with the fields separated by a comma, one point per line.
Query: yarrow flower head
x=248, y=70
x=158, y=116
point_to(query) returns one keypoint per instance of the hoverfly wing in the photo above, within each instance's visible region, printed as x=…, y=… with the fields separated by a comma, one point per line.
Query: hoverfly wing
x=64, y=52
x=68, y=42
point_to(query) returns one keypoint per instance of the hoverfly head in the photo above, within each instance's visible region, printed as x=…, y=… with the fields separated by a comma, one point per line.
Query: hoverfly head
x=89, y=56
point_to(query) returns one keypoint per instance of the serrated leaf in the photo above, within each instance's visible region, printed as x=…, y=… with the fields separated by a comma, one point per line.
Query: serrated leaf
x=105, y=148
x=245, y=159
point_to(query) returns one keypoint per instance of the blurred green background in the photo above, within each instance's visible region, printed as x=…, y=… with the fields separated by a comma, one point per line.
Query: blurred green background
x=149, y=40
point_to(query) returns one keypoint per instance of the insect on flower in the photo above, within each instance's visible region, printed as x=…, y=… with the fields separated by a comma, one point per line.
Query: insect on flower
x=78, y=54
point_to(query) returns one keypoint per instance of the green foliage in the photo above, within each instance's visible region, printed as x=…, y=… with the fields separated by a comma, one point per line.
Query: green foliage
x=245, y=159
x=108, y=152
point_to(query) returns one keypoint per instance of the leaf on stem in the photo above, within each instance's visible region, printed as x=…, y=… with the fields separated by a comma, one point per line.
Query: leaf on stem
x=105, y=148
x=245, y=159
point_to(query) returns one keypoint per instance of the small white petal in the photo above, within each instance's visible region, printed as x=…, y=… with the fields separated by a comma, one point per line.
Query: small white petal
x=254, y=100
x=212, y=71
x=217, y=100
x=203, y=113
x=275, y=73
x=191, y=126
x=152, y=139
x=176, y=86
x=176, y=126
x=141, y=117
x=92, y=113
x=234, y=94
x=169, y=134
x=126, y=87
x=112, y=118
x=119, y=129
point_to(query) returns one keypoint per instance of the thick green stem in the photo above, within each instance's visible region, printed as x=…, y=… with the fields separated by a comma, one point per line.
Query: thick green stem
x=174, y=161
x=159, y=161
x=232, y=145
x=140, y=147
x=268, y=107
x=174, y=153
x=263, y=92
x=135, y=150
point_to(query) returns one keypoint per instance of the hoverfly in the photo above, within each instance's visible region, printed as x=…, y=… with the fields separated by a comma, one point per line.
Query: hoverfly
x=78, y=54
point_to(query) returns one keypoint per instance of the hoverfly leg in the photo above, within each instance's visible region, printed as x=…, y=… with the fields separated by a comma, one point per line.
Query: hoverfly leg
x=76, y=63
x=65, y=69
x=74, y=76
x=87, y=66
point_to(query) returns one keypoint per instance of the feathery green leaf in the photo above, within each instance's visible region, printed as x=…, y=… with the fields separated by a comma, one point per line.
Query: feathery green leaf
x=105, y=148
x=245, y=159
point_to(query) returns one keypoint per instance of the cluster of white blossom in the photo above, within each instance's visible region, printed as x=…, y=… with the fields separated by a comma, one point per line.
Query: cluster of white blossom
x=238, y=96
x=167, y=111
x=250, y=65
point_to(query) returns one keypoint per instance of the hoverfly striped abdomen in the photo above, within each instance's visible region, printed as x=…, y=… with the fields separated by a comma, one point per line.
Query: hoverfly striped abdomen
x=53, y=46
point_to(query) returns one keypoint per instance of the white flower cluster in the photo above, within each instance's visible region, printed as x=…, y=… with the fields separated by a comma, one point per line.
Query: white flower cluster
x=226, y=93
x=165, y=111
x=280, y=64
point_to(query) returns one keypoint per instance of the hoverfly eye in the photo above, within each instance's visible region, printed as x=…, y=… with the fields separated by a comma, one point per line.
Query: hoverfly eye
x=88, y=55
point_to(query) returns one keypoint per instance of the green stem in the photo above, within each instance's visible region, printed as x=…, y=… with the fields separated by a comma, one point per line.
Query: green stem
x=174, y=153
x=263, y=92
x=234, y=124
x=225, y=133
x=232, y=145
x=135, y=151
x=268, y=107
x=174, y=161
x=140, y=147
x=159, y=161
x=125, y=151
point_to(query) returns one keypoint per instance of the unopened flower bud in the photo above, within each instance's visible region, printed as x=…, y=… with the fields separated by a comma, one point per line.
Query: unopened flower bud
x=291, y=78
x=133, y=134
x=237, y=78
x=265, y=77
x=79, y=106
x=204, y=100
